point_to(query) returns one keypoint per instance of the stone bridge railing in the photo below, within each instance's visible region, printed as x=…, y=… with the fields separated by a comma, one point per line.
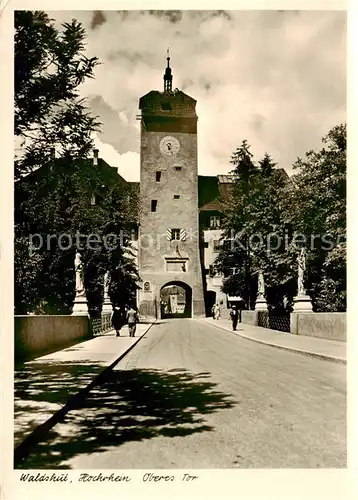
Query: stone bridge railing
x=275, y=321
x=101, y=325
x=327, y=325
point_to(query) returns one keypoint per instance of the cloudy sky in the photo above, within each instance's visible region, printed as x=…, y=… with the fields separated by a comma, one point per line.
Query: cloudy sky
x=275, y=78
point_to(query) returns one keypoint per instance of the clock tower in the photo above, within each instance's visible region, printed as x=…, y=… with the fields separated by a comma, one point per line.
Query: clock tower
x=169, y=230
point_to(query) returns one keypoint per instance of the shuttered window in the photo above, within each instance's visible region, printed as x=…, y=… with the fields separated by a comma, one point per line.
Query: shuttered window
x=176, y=234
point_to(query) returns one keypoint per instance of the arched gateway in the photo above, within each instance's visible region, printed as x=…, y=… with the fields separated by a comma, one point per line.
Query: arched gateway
x=176, y=300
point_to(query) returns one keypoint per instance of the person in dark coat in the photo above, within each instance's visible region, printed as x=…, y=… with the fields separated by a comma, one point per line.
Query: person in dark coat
x=287, y=305
x=117, y=320
x=234, y=315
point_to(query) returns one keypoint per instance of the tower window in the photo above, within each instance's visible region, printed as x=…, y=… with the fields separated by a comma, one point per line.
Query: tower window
x=216, y=246
x=212, y=271
x=176, y=196
x=154, y=205
x=175, y=234
x=214, y=221
x=177, y=168
x=158, y=176
x=230, y=272
x=166, y=106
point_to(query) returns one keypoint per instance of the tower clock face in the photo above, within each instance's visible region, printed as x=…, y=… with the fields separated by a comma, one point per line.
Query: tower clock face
x=169, y=146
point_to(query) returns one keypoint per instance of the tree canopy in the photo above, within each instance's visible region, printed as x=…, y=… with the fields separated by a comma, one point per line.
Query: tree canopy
x=316, y=207
x=270, y=217
x=58, y=197
x=50, y=65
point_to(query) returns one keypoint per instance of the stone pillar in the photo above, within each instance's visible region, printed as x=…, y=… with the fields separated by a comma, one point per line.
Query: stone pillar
x=80, y=306
x=294, y=323
x=107, y=305
x=261, y=304
x=302, y=301
x=147, y=299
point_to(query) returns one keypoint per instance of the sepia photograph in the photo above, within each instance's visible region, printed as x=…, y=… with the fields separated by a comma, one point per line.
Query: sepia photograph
x=180, y=285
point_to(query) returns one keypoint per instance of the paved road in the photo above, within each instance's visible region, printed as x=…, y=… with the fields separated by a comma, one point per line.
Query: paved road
x=191, y=395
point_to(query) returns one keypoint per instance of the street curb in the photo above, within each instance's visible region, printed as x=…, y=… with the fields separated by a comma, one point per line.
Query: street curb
x=325, y=357
x=23, y=450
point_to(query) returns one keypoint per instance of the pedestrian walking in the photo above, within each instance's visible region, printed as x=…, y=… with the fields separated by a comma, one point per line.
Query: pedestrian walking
x=234, y=315
x=213, y=311
x=217, y=312
x=132, y=319
x=285, y=302
x=287, y=305
x=116, y=320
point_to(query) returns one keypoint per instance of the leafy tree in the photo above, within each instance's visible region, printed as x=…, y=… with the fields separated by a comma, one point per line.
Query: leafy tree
x=271, y=217
x=27, y=275
x=234, y=256
x=244, y=167
x=56, y=210
x=50, y=65
x=124, y=280
x=266, y=165
x=316, y=207
x=253, y=217
x=54, y=196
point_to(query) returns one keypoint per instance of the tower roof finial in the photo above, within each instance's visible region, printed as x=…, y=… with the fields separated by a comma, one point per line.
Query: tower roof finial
x=168, y=77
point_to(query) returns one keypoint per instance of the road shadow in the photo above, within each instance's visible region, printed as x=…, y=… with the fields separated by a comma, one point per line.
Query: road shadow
x=132, y=405
x=41, y=388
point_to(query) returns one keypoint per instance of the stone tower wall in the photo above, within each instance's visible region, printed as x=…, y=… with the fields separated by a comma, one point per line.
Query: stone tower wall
x=154, y=247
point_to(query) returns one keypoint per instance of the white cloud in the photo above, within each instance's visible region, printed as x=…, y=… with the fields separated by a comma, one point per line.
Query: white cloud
x=276, y=79
x=128, y=164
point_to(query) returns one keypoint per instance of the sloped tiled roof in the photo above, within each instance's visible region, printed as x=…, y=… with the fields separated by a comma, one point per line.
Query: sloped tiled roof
x=226, y=179
x=60, y=163
x=212, y=206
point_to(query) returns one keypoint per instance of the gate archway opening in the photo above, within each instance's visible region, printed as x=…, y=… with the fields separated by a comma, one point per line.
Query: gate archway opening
x=175, y=300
